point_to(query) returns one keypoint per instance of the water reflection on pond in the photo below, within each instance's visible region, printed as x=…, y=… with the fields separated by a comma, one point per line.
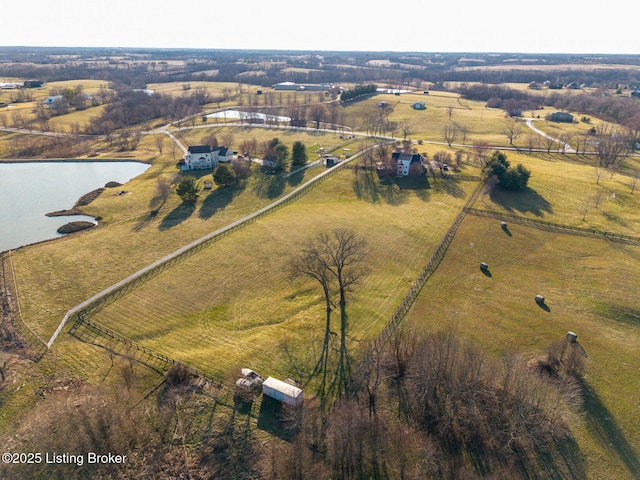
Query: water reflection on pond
x=28, y=191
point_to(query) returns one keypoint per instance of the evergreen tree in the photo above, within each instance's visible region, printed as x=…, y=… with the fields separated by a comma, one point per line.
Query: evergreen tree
x=499, y=167
x=299, y=154
x=188, y=189
x=224, y=176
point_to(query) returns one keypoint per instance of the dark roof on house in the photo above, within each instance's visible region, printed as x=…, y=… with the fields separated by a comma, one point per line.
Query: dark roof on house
x=415, y=157
x=221, y=150
x=200, y=149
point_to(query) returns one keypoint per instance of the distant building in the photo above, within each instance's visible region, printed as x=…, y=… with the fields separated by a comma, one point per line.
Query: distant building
x=33, y=84
x=301, y=87
x=57, y=101
x=561, y=117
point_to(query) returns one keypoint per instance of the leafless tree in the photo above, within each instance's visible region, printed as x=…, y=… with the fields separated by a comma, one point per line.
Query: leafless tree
x=512, y=130
x=611, y=150
x=481, y=152
x=318, y=113
x=163, y=190
x=449, y=133
x=532, y=141
x=549, y=142
x=312, y=262
x=464, y=133
x=405, y=125
x=158, y=140
x=336, y=261
x=227, y=139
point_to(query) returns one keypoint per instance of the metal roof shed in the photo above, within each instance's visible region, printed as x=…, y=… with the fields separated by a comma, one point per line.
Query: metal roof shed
x=282, y=391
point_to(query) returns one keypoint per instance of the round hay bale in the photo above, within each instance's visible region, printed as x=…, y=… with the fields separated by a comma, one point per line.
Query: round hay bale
x=503, y=224
x=484, y=266
x=572, y=337
x=539, y=299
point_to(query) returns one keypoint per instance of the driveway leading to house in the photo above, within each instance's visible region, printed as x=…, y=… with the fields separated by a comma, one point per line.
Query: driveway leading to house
x=565, y=147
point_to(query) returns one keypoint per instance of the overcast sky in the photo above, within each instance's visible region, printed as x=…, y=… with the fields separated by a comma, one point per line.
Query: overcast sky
x=538, y=26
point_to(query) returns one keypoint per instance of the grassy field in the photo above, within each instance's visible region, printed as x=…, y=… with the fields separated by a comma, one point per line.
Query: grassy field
x=593, y=292
x=232, y=303
x=609, y=205
x=216, y=321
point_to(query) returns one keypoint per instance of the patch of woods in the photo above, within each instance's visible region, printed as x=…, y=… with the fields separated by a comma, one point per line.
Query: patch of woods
x=359, y=91
x=624, y=111
x=428, y=406
x=440, y=407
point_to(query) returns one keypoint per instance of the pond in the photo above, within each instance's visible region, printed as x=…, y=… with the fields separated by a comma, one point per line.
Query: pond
x=28, y=191
x=248, y=116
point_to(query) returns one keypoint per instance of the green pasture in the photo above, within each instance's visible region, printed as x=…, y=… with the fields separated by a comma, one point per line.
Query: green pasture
x=482, y=124
x=563, y=187
x=330, y=141
x=55, y=276
x=233, y=304
x=591, y=287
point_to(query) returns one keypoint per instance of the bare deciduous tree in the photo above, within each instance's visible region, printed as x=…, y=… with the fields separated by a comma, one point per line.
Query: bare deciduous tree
x=158, y=140
x=336, y=262
x=512, y=130
x=449, y=133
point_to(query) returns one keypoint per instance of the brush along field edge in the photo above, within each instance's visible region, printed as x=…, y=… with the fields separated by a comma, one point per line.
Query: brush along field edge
x=221, y=231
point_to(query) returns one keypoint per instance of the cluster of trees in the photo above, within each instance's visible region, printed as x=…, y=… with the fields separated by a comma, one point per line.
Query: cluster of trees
x=357, y=92
x=445, y=401
x=133, y=107
x=495, y=96
x=497, y=171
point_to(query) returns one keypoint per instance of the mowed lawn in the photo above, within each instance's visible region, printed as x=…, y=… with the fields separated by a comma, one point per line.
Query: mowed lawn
x=234, y=305
x=591, y=287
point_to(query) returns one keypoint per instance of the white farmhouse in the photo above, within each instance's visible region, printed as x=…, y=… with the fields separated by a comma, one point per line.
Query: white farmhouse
x=405, y=160
x=222, y=154
x=202, y=157
x=198, y=157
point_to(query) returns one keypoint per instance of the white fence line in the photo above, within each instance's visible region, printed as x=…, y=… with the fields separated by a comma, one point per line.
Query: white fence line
x=196, y=243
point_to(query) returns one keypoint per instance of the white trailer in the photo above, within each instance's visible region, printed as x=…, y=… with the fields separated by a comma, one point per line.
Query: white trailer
x=282, y=391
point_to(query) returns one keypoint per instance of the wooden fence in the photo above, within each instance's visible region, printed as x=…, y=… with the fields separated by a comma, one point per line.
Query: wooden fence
x=114, y=291
x=11, y=302
x=419, y=283
x=556, y=227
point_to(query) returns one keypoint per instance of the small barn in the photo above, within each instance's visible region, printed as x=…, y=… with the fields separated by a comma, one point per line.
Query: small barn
x=282, y=391
x=561, y=117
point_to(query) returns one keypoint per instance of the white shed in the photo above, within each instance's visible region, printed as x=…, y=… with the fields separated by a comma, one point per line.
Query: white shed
x=282, y=391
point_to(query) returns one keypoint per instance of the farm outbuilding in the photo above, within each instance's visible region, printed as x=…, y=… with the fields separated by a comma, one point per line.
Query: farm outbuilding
x=562, y=117
x=282, y=391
